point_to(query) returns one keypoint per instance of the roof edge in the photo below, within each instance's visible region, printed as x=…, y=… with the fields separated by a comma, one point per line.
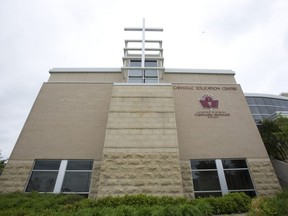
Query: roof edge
x=85, y=70
x=265, y=95
x=118, y=70
x=203, y=71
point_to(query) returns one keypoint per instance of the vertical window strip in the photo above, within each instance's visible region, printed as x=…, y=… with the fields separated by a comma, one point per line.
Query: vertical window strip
x=60, y=177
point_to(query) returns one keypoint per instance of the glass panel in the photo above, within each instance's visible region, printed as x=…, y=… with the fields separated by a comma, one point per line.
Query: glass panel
x=249, y=193
x=150, y=63
x=151, y=73
x=238, y=179
x=135, y=73
x=271, y=110
x=255, y=110
x=151, y=80
x=208, y=194
x=203, y=164
x=282, y=102
x=250, y=100
x=257, y=118
x=135, y=80
x=268, y=101
x=76, y=182
x=47, y=165
x=79, y=165
x=228, y=164
x=205, y=180
x=42, y=181
x=135, y=63
x=276, y=102
x=259, y=101
x=264, y=110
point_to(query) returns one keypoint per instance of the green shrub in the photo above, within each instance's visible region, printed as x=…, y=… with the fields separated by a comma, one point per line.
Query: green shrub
x=42, y=204
x=268, y=206
x=228, y=204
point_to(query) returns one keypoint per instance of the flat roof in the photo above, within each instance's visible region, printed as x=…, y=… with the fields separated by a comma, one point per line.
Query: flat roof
x=118, y=70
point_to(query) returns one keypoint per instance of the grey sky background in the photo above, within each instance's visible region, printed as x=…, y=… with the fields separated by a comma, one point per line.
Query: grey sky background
x=248, y=36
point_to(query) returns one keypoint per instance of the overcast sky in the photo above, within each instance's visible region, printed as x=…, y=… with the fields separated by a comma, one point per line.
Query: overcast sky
x=249, y=37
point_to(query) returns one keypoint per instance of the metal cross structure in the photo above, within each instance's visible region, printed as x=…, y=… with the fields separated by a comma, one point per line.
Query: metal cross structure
x=143, y=29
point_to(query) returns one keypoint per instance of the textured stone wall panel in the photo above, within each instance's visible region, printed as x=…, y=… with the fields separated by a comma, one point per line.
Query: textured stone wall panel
x=15, y=175
x=187, y=182
x=264, y=178
x=95, y=179
x=136, y=173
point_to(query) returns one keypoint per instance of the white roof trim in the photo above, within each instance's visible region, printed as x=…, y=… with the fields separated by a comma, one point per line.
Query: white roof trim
x=265, y=95
x=84, y=70
x=118, y=70
x=142, y=84
x=201, y=71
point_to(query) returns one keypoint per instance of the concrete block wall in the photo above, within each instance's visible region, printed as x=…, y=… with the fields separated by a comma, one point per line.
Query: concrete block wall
x=187, y=181
x=141, y=153
x=15, y=175
x=263, y=175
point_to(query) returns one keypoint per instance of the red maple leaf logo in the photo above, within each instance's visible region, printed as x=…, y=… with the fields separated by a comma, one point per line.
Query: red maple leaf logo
x=209, y=102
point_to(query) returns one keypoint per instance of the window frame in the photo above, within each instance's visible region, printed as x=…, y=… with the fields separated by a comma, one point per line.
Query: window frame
x=61, y=173
x=222, y=178
x=143, y=78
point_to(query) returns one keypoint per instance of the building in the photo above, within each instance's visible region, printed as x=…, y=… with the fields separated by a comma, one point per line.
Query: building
x=267, y=106
x=142, y=129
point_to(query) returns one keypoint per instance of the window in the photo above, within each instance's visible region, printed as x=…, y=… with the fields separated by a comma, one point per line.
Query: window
x=218, y=177
x=143, y=76
x=250, y=100
x=66, y=176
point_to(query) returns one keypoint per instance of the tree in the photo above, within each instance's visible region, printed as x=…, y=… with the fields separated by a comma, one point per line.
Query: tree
x=275, y=137
x=2, y=164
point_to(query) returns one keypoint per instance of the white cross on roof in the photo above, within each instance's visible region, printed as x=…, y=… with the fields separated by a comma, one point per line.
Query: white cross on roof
x=143, y=29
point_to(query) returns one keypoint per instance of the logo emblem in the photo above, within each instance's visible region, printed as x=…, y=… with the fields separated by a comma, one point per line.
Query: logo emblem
x=209, y=102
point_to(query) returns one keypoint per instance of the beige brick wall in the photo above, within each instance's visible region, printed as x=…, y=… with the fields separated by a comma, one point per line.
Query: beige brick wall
x=140, y=173
x=141, y=153
x=95, y=179
x=15, y=175
x=264, y=178
x=187, y=181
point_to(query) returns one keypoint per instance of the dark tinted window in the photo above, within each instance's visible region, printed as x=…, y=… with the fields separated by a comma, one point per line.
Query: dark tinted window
x=206, y=180
x=79, y=165
x=203, y=164
x=227, y=164
x=76, y=182
x=238, y=179
x=47, y=164
x=207, y=194
x=42, y=181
